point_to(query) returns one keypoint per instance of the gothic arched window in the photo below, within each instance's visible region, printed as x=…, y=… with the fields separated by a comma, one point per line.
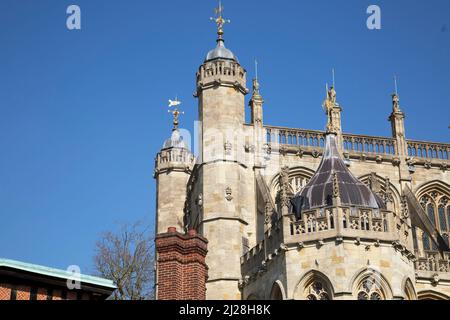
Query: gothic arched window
x=437, y=206
x=314, y=285
x=296, y=180
x=370, y=290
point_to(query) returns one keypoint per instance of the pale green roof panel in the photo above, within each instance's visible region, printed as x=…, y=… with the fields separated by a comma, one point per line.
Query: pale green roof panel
x=56, y=273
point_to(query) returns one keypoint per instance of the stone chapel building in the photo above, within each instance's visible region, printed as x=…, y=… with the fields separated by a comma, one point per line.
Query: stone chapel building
x=266, y=212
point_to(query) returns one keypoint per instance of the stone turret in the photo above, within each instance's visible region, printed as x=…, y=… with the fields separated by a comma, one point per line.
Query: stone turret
x=173, y=166
x=225, y=180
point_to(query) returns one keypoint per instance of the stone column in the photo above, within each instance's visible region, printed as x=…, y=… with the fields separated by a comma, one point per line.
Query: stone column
x=420, y=248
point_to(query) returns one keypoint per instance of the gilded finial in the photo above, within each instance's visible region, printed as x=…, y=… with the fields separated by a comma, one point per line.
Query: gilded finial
x=220, y=20
x=174, y=110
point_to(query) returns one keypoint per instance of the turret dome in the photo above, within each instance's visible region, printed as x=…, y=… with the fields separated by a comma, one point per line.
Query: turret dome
x=175, y=141
x=220, y=52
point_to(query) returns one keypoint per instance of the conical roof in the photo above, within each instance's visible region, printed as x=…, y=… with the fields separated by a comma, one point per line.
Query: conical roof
x=319, y=191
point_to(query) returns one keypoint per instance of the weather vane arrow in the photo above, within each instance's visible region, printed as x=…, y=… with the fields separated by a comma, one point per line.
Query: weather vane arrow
x=219, y=19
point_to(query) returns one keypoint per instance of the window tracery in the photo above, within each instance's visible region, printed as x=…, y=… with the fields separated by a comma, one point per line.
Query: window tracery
x=437, y=207
x=317, y=291
x=370, y=290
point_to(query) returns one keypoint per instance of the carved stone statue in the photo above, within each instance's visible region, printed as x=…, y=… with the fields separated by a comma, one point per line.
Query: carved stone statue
x=395, y=103
x=328, y=105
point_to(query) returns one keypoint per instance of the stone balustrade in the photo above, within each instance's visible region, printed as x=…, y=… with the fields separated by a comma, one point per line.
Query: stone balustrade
x=370, y=145
x=353, y=145
x=342, y=222
x=295, y=137
x=174, y=159
x=433, y=261
x=175, y=155
x=428, y=150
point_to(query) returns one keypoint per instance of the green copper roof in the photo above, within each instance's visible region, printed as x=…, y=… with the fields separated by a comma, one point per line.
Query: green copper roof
x=56, y=273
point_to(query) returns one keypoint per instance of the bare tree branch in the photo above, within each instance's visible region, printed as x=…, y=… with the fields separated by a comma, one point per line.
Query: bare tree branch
x=127, y=258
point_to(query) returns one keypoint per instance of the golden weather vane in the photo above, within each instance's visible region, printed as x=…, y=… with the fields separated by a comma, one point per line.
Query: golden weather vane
x=219, y=19
x=174, y=110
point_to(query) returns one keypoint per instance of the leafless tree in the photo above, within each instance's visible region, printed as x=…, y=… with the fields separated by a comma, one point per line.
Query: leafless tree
x=127, y=258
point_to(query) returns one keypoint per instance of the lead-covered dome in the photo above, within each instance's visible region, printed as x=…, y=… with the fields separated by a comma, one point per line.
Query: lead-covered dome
x=220, y=52
x=319, y=191
x=175, y=141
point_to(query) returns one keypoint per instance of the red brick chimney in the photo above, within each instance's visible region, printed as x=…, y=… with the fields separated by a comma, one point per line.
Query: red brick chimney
x=181, y=271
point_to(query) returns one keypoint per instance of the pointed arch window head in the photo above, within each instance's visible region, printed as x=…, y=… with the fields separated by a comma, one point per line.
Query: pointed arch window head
x=314, y=285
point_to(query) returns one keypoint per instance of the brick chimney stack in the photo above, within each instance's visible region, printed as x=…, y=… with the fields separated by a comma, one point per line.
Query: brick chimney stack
x=181, y=271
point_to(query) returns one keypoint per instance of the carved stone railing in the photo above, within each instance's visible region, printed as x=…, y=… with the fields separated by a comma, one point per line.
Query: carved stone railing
x=343, y=222
x=356, y=146
x=353, y=143
x=174, y=155
x=174, y=159
x=433, y=262
x=295, y=137
x=428, y=150
x=316, y=221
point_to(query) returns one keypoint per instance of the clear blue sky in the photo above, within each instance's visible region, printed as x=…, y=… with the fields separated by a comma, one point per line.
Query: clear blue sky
x=83, y=113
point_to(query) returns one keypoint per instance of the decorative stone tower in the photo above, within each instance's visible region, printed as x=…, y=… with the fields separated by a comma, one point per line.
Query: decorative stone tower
x=226, y=181
x=173, y=166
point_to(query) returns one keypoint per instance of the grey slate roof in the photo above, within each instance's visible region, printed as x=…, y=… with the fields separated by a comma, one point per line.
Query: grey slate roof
x=319, y=191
